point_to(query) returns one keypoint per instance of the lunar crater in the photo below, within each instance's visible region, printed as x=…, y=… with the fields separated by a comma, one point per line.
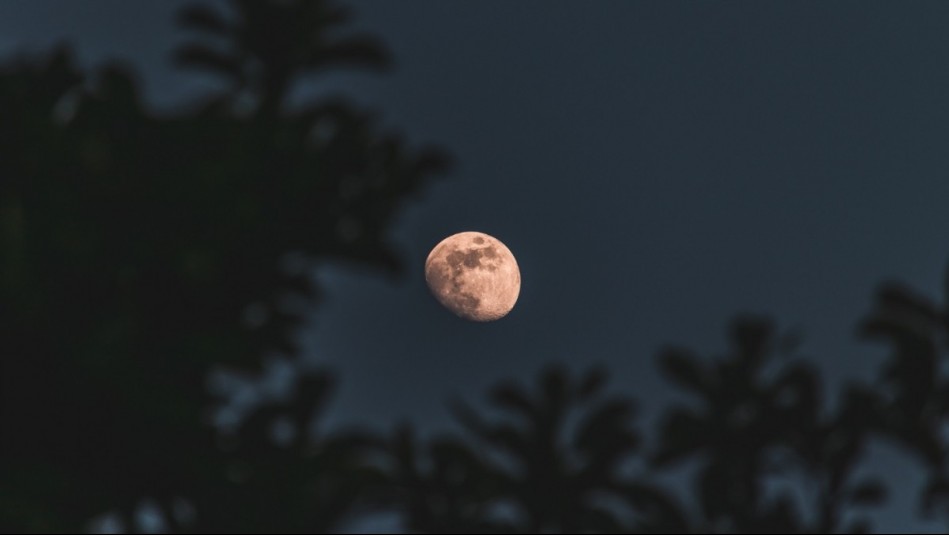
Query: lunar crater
x=473, y=275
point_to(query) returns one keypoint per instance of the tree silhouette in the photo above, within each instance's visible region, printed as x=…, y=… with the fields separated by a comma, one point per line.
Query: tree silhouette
x=912, y=386
x=536, y=470
x=269, y=45
x=756, y=423
x=283, y=476
x=140, y=252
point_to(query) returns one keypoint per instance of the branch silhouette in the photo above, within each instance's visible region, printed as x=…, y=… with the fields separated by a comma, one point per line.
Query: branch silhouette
x=532, y=468
x=140, y=253
x=143, y=251
x=913, y=389
x=267, y=46
x=757, y=424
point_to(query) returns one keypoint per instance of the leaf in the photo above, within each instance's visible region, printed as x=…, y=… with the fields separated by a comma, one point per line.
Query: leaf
x=751, y=337
x=468, y=418
x=682, y=433
x=355, y=51
x=797, y=392
x=313, y=392
x=901, y=314
x=607, y=422
x=203, y=18
x=197, y=56
x=781, y=517
x=510, y=440
x=860, y=526
x=512, y=397
x=869, y=493
x=790, y=341
x=403, y=448
x=684, y=369
x=660, y=511
x=591, y=383
x=433, y=161
x=897, y=296
x=555, y=385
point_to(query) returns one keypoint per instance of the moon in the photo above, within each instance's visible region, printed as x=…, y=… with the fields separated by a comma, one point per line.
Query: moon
x=473, y=275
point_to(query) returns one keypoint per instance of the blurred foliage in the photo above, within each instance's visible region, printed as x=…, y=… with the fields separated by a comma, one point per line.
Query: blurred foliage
x=756, y=427
x=555, y=464
x=141, y=252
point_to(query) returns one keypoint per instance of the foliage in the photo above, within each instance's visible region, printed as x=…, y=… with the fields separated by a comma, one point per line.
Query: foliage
x=142, y=251
x=536, y=471
x=139, y=252
x=756, y=426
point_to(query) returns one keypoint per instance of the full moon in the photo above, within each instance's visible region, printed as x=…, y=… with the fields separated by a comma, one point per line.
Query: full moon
x=473, y=275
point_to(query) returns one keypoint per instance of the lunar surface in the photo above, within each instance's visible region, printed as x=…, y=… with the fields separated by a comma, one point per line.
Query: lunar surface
x=473, y=275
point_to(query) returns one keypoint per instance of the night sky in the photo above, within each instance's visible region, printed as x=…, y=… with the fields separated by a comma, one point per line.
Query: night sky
x=655, y=167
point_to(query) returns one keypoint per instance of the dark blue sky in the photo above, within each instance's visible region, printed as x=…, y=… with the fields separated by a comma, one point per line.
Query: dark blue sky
x=655, y=167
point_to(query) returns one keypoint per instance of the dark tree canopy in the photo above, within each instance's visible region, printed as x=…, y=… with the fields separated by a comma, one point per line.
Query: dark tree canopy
x=140, y=252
